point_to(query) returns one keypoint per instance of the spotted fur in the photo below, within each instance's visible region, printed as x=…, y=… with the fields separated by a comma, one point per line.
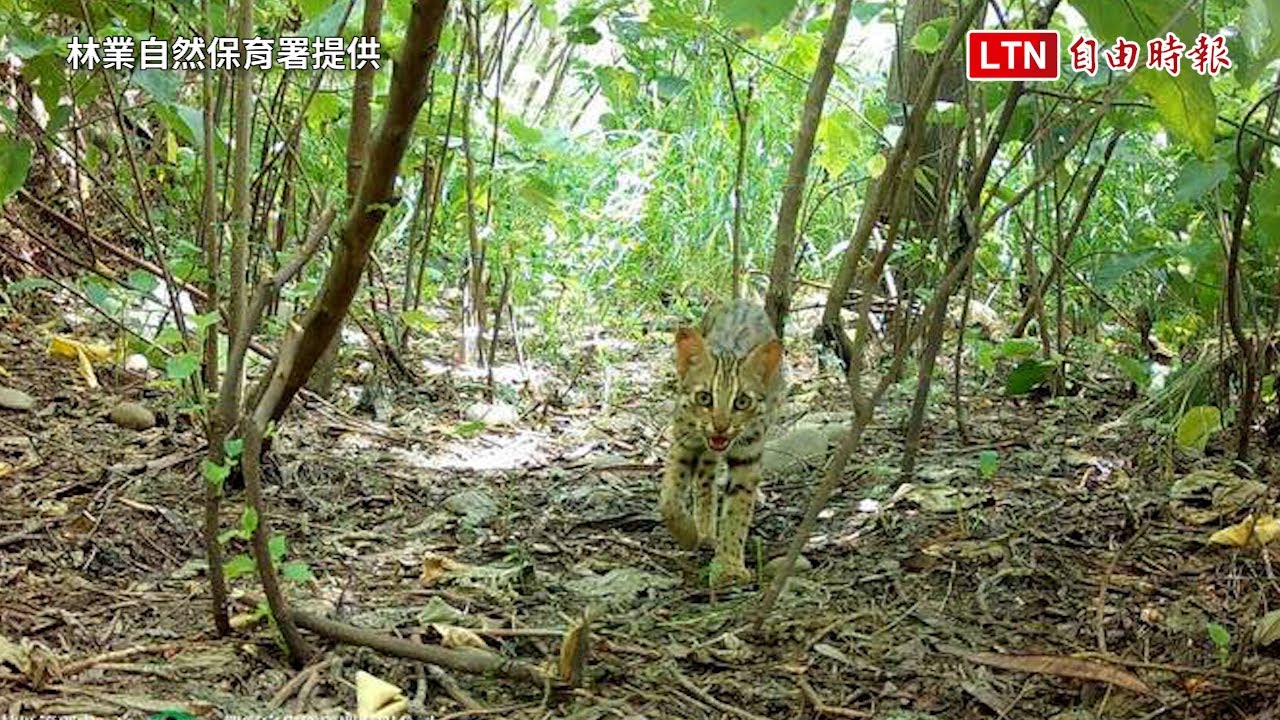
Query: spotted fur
x=730, y=382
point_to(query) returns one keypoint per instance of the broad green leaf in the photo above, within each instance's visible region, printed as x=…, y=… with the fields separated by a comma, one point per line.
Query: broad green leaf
x=143, y=281
x=470, y=428
x=1028, y=376
x=754, y=16
x=162, y=85
x=988, y=463
x=929, y=36
x=838, y=141
x=248, y=520
x=296, y=571
x=276, y=548
x=15, y=161
x=1198, y=178
x=233, y=447
x=865, y=12
x=238, y=566
x=1219, y=635
x=1185, y=102
x=213, y=473
x=1266, y=207
x=181, y=367
x=418, y=320
x=327, y=23
x=1138, y=372
x=585, y=35
x=1197, y=426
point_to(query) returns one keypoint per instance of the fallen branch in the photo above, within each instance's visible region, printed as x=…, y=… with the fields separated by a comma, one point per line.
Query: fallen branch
x=706, y=697
x=821, y=708
x=468, y=660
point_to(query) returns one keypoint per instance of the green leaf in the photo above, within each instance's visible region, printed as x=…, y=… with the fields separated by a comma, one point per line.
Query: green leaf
x=838, y=140
x=1220, y=636
x=15, y=160
x=1197, y=426
x=326, y=24
x=1184, y=102
x=205, y=321
x=238, y=566
x=296, y=571
x=1029, y=375
x=585, y=35
x=418, y=320
x=865, y=12
x=471, y=428
x=233, y=447
x=754, y=16
x=181, y=367
x=1197, y=178
x=929, y=36
x=276, y=548
x=988, y=463
x=1138, y=372
x=248, y=520
x=213, y=473
x=162, y=85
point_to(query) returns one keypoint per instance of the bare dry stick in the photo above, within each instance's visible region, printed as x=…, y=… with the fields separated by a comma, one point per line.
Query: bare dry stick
x=472, y=661
x=778, y=297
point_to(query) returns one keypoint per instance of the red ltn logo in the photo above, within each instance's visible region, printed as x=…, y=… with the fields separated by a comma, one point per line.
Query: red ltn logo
x=1012, y=55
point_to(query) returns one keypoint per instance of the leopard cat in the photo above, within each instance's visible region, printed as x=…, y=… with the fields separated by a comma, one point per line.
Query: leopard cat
x=730, y=379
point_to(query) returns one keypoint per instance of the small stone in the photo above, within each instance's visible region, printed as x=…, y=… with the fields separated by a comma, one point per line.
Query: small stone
x=802, y=566
x=495, y=414
x=137, y=364
x=803, y=447
x=474, y=506
x=12, y=399
x=133, y=416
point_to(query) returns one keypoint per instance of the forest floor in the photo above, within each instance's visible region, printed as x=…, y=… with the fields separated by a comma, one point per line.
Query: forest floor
x=1063, y=583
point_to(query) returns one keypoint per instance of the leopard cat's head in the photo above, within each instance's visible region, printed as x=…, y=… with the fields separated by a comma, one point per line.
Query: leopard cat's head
x=721, y=395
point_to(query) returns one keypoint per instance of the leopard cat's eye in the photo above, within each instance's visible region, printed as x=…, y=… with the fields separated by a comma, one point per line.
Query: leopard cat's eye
x=703, y=398
x=742, y=402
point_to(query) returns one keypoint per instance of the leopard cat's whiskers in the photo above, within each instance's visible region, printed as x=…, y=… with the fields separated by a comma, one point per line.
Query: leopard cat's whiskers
x=730, y=384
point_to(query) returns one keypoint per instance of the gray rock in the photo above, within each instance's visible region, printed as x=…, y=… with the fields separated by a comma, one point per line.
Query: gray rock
x=803, y=448
x=133, y=416
x=474, y=506
x=496, y=414
x=12, y=399
x=771, y=568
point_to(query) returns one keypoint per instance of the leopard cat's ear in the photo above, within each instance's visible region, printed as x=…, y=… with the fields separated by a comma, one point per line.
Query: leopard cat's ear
x=690, y=349
x=765, y=359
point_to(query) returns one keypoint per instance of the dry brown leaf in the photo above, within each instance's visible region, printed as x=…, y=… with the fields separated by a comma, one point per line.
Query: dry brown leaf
x=456, y=637
x=435, y=566
x=573, y=652
x=1063, y=667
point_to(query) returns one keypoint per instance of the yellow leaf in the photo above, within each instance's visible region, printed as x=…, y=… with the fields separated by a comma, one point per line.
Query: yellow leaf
x=377, y=698
x=63, y=346
x=86, y=369
x=3, y=372
x=456, y=637
x=1263, y=530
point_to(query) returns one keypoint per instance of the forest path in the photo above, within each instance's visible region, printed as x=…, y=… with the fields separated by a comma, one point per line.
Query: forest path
x=1045, y=533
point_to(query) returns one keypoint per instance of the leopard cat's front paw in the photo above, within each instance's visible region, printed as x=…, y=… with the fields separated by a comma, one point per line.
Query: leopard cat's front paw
x=725, y=573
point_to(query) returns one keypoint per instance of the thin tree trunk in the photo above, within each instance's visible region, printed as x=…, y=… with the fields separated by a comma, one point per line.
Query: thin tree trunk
x=406, y=95
x=742, y=113
x=211, y=242
x=778, y=297
x=1248, y=347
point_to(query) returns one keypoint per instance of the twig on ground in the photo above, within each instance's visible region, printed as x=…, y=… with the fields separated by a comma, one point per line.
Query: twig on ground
x=468, y=660
x=706, y=697
x=288, y=689
x=821, y=708
x=79, y=666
